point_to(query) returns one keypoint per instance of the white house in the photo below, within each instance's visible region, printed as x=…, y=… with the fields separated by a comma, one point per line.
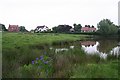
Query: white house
x=41, y=28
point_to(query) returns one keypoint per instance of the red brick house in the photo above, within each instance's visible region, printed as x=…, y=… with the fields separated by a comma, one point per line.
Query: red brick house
x=88, y=29
x=13, y=28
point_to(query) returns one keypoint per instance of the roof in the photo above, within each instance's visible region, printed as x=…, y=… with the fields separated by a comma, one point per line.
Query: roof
x=13, y=26
x=87, y=28
x=40, y=26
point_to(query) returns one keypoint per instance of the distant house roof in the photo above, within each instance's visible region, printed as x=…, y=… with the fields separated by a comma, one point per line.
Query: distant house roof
x=88, y=29
x=85, y=28
x=40, y=26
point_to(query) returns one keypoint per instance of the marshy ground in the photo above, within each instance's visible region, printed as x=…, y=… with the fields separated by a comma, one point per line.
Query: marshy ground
x=51, y=55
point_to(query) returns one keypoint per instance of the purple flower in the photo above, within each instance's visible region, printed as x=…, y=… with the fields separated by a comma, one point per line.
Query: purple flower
x=32, y=62
x=46, y=62
x=41, y=57
x=37, y=58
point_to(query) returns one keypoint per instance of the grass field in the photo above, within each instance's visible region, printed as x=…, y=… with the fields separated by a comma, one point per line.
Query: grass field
x=27, y=55
x=20, y=39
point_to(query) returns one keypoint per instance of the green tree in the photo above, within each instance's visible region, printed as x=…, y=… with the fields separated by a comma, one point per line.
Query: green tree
x=106, y=27
x=54, y=29
x=2, y=27
x=77, y=27
x=118, y=30
x=62, y=29
x=22, y=29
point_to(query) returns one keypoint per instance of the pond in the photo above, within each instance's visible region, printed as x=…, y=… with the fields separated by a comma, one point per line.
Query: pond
x=64, y=59
x=101, y=47
x=67, y=55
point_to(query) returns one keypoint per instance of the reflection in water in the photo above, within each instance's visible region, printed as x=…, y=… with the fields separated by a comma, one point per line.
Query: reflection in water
x=72, y=47
x=115, y=51
x=105, y=46
x=60, y=49
x=88, y=43
x=103, y=55
x=90, y=49
x=102, y=48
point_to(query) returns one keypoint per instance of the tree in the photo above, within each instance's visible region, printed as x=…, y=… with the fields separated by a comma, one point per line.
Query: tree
x=22, y=29
x=54, y=29
x=2, y=27
x=106, y=27
x=74, y=24
x=89, y=26
x=62, y=28
x=92, y=26
x=86, y=25
x=77, y=27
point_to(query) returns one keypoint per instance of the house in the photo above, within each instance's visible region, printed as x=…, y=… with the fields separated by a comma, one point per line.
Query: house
x=88, y=29
x=63, y=28
x=13, y=28
x=41, y=28
x=72, y=30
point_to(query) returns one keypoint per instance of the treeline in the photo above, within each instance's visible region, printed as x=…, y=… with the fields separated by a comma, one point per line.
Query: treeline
x=105, y=27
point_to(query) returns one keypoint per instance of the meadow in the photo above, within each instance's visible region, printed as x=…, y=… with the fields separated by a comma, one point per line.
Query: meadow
x=27, y=55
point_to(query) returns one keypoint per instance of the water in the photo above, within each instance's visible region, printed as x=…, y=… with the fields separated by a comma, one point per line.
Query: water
x=70, y=55
x=102, y=47
x=93, y=47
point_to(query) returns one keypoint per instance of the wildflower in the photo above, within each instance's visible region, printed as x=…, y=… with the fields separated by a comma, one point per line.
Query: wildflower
x=46, y=62
x=32, y=62
x=37, y=58
x=41, y=57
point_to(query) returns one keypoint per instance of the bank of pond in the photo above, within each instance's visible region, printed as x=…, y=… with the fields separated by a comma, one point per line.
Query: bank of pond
x=87, y=58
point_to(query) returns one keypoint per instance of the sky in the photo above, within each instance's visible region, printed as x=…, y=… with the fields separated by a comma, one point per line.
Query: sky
x=33, y=13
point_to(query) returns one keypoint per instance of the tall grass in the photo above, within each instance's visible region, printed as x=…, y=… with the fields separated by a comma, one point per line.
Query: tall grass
x=19, y=50
x=106, y=70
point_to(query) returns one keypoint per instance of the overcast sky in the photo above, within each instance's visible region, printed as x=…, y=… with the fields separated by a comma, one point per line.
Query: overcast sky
x=31, y=13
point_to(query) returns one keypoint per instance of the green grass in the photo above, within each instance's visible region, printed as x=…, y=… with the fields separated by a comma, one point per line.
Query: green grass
x=20, y=39
x=19, y=49
x=104, y=70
